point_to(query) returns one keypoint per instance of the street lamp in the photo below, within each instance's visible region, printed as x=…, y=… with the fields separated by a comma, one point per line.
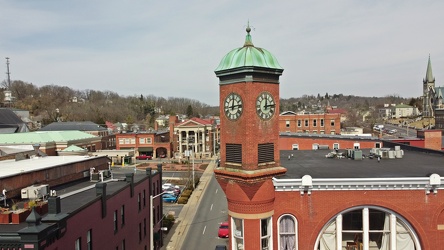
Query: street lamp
x=152, y=219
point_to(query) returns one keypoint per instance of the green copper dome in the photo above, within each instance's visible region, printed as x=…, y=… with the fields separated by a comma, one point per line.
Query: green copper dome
x=248, y=56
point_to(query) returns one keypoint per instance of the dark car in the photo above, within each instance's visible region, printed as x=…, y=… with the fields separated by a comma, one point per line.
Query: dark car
x=221, y=247
x=144, y=157
x=223, y=230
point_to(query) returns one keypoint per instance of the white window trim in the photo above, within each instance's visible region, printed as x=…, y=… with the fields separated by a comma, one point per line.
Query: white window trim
x=295, y=230
x=393, y=215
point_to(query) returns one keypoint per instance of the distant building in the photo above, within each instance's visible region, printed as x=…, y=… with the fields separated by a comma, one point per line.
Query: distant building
x=290, y=121
x=402, y=111
x=11, y=123
x=432, y=98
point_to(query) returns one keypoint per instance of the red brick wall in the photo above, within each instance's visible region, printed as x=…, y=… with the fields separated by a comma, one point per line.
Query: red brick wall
x=293, y=123
x=433, y=139
x=314, y=211
x=249, y=130
x=306, y=143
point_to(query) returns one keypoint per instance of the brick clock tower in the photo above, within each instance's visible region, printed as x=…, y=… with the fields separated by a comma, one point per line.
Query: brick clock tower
x=249, y=153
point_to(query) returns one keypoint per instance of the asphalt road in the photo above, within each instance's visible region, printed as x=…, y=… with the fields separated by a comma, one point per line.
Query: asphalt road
x=212, y=210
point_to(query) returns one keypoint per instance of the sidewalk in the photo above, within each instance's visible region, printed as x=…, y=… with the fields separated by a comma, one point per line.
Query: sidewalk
x=178, y=233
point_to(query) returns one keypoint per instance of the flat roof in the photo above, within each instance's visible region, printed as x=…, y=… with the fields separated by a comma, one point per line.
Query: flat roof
x=12, y=167
x=315, y=164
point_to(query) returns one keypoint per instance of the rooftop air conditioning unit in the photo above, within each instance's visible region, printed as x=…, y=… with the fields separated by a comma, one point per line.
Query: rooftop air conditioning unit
x=35, y=192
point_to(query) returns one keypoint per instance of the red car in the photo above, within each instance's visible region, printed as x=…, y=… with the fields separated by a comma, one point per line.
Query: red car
x=224, y=231
x=144, y=157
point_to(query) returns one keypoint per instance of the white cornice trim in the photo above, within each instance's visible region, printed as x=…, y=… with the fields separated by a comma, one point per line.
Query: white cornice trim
x=307, y=184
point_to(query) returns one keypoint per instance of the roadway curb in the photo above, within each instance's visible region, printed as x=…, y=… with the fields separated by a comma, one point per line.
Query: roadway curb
x=189, y=210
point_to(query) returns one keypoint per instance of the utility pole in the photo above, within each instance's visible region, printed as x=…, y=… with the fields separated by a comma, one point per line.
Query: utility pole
x=8, y=73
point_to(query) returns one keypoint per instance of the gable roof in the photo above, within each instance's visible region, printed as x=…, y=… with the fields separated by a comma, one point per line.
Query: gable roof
x=195, y=121
x=81, y=126
x=11, y=123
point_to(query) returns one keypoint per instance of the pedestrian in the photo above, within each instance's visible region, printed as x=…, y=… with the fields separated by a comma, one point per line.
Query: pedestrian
x=288, y=157
x=379, y=158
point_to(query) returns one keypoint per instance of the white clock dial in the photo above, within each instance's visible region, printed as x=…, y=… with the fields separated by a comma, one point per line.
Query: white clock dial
x=233, y=106
x=265, y=106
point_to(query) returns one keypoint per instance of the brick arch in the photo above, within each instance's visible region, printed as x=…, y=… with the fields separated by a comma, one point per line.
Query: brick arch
x=404, y=216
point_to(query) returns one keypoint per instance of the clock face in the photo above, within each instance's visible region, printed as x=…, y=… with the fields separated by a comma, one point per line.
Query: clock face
x=265, y=106
x=233, y=106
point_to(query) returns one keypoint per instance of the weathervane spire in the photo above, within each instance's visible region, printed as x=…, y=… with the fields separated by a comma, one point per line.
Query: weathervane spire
x=248, y=40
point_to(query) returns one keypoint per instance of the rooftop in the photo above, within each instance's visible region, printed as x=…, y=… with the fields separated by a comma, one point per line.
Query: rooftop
x=315, y=164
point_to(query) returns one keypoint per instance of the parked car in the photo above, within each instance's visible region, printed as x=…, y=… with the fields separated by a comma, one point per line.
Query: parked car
x=221, y=247
x=171, y=190
x=169, y=198
x=224, y=231
x=144, y=157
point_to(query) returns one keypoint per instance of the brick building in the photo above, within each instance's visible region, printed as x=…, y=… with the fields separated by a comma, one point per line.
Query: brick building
x=154, y=143
x=310, y=201
x=310, y=123
x=114, y=214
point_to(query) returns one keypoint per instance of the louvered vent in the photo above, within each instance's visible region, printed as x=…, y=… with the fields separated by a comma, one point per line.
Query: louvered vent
x=234, y=153
x=265, y=153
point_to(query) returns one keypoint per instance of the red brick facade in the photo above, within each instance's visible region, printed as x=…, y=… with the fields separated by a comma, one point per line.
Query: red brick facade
x=309, y=143
x=314, y=211
x=310, y=123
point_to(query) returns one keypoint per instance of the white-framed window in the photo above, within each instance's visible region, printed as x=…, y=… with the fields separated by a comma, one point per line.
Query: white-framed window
x=322, y=122
x=133, y=140
x=142, y=140
x=121, y=141
x=127, y=141
x=115, y=222
x=306, y=123
x=149, y=140
x=378, y=145
x=295, y=147
x=315, y=122
x=332, y=123
x=332, y=132
x=356, y=145
x=299, y=123
x=237, y=239
x=322, y=132
x=287, y=124
x=287, y=232
x=368, y=227
x=266, y=234
x=335, y=146
x=78, y=244
x=89, y=239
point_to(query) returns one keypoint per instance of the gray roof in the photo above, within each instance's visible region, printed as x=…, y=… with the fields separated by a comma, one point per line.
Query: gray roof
x=11, y=123
x=81, y=126
x=315, y=164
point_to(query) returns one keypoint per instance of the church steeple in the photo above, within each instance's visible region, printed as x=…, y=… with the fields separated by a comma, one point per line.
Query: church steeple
x=429, y=74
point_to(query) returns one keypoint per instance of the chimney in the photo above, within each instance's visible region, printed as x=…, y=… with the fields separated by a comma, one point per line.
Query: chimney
x=54, y=206
x=101, y=191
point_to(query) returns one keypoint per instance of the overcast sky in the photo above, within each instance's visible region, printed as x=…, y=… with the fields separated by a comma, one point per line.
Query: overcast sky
x=171, y=48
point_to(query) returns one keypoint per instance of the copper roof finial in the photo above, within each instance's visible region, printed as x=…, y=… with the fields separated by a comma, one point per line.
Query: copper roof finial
x=248, y=41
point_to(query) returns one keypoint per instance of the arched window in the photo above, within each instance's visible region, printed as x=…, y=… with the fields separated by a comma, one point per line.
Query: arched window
x=368, y=228
x=287, y=232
